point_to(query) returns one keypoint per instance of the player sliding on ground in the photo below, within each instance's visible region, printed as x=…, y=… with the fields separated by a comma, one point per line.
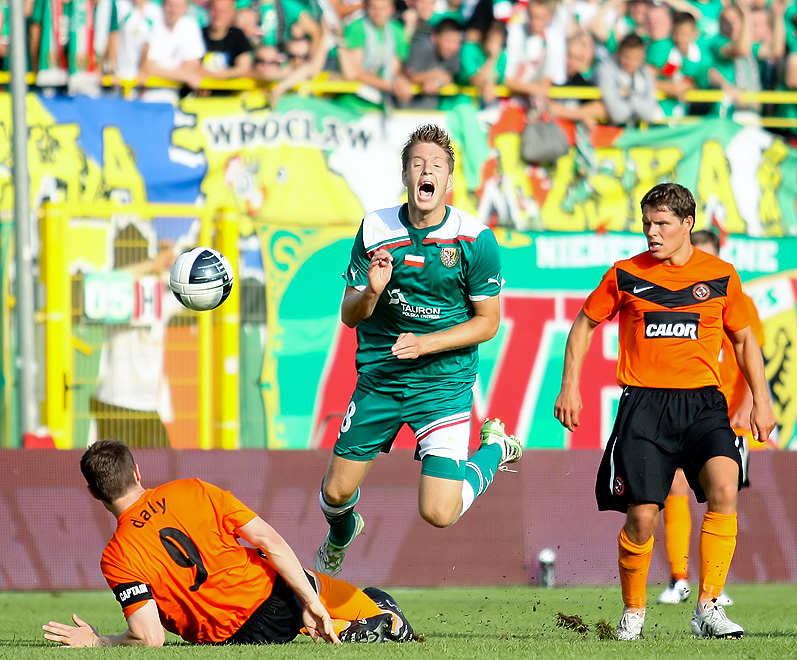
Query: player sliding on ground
x=422, y=289
x=674, y=302
x=175, y=562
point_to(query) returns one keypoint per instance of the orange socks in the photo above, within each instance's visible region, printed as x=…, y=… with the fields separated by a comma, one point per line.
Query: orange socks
x=717, y=545
x=343, y=600
x=677, y=528
x=634, y=565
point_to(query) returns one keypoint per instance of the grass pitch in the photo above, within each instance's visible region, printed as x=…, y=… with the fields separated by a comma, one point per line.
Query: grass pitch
x=457, y=623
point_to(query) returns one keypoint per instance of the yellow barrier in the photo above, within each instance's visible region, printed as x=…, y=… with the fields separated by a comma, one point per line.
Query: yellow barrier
x=57, y=405
x=227, y=341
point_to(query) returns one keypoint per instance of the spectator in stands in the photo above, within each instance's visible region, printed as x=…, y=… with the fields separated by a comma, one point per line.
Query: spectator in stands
x=247, y=22
x=69, y=43
x=281, y=19
x=616, y=19
x=434, y=62
x=302, y=64
x=417, y=19
x=768, y=29
x=734, y=58
x=483, y=62
x=789, y=110
x=137, y=19
x=175, y=52
x=580, y=73
x=658, y=23
x=228, y=53
x=373, y=52
x=708, y=16
x=680, y=65
x=627, y=85
x=269, y=64
x=535, y=57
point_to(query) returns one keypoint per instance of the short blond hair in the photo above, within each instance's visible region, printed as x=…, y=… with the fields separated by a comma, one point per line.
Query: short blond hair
x=428, y=134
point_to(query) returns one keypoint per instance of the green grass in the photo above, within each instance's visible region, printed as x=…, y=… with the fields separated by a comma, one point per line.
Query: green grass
x=466, y=623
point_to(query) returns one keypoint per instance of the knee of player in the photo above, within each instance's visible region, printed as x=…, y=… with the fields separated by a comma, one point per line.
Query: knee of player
x=438, y=516
x=723, y=496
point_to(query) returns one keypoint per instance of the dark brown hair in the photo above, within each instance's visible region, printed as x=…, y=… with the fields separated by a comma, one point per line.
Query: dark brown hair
x=428, y=134
x=703, y=237
x=671, y=197
x=108, y=467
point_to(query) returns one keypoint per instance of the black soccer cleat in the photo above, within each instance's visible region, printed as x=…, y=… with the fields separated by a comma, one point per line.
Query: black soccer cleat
x=401, y=630
x=373, y=630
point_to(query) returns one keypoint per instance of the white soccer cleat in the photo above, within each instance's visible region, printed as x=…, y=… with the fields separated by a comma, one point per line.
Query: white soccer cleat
x=329, y=559
x=493, y=433
x=630, y=627
x=676, y=592
x=724, y=599
x=713, y=622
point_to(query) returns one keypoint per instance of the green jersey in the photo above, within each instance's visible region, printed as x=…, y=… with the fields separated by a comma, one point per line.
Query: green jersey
x=438, y=272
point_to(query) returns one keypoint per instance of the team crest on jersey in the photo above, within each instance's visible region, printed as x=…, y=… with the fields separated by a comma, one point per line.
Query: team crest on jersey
x=701, y=291
x=618, y=486
x=449, y=256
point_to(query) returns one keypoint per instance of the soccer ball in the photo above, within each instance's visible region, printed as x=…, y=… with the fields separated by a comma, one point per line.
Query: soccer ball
x=201, y=278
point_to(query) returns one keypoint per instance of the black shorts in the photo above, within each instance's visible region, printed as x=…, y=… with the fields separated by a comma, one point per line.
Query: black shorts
x=278, y=619
x=656, y=432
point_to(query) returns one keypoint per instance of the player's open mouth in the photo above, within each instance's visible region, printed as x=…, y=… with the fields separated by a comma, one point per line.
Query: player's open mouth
x=426, y=190
x=654, y=246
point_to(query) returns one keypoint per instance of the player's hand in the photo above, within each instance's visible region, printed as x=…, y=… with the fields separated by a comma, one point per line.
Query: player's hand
x=408, y=346
x=81, y=634
x=380, y=270
x=318, y=623
x=567, y=408
x=762, y=421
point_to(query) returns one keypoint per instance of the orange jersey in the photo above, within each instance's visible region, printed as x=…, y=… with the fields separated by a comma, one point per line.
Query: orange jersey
x=671, y=318
x=177, y=545
x=732, y=382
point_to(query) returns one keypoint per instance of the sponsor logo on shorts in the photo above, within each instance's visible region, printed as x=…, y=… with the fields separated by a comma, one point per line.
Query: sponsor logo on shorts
x=701, y=291
x=412, y=311
x=618, y=486
x=449, y=256
x=672, y=325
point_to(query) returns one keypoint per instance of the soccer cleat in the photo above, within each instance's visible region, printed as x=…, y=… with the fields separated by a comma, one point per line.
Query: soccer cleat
x=373, y=630
x=713, y=622
x=630, y=627
x=724, y=599
x=329, y=559
x=676, y=592
x=493, y=433
x=401, y=630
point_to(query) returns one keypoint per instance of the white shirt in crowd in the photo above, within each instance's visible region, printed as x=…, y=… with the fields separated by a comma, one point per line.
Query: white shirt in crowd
x=136, y=26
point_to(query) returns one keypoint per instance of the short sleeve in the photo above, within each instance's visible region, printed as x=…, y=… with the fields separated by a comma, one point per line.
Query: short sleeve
x=354, y=37
x=483, y=275
x=356, y=274
x=37, y=15
x=471, y=59
x=604, y=301
x=736, y=315
x=131, y=590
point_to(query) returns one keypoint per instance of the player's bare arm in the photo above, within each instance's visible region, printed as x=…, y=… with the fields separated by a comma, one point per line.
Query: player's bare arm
x=751, y=363
x=359, y=305
x=568, y=403
x=143, y=629
x=316, y=619
x=476, y=330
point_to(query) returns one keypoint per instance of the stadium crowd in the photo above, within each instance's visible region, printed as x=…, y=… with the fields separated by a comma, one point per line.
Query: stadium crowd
x=402, y=52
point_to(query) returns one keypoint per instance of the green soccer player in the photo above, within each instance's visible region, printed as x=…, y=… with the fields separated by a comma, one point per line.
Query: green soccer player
x=422, y=289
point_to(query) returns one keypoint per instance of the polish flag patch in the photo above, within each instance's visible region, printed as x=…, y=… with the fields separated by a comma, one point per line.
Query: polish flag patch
x=414, y=260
